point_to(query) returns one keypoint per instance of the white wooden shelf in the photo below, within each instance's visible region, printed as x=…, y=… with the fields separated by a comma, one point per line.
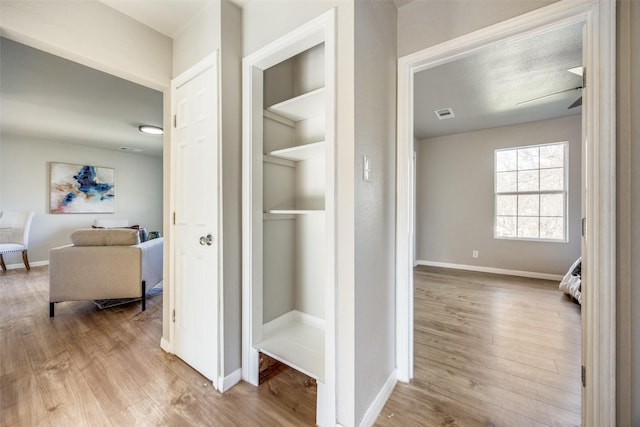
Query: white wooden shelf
x=305, y=106
x=294, y=211
x=277, y=217
x=300, y=152
x=295, y=343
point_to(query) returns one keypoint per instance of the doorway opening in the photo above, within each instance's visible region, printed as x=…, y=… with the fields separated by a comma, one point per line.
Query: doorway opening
x=598, y=188
x=486, y=202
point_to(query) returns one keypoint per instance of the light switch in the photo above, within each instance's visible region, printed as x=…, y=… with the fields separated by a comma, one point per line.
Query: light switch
x=367, y=168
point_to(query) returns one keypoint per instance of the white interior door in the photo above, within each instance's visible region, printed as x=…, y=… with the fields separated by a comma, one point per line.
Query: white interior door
x=196, y=218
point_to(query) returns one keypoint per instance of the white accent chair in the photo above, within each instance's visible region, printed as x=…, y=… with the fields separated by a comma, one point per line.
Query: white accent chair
x=14, y=235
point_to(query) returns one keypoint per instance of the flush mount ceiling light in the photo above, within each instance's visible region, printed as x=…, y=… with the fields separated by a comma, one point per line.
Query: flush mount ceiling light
x=153, y=130
x=130, y=149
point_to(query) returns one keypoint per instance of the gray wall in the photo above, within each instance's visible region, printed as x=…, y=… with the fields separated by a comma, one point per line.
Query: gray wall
x=24, y=185
x=628, y=211
x=232, y=183
x=375, y=119
x=455, y=199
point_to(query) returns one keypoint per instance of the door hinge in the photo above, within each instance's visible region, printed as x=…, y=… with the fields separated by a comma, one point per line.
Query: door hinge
x=583, y=375
x=175, y=120
x=584, y=227
x=174, y=219
x=173, y=316
x=584, y=78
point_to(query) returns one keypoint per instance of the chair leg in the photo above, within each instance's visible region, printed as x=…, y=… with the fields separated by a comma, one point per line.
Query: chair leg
x=144, y=296
x=25, y=258
x=4, y=267
x=51, y=309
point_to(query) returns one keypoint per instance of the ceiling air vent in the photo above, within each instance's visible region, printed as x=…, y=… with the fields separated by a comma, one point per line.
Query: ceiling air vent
x=131, y=149
x=444, y=113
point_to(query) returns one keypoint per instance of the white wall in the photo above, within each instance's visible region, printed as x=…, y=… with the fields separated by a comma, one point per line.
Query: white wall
x=455, y=199
x=375, y=136
x=24, y=185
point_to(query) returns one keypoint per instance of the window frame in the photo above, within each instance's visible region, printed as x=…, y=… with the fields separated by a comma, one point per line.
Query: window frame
x=565, y=192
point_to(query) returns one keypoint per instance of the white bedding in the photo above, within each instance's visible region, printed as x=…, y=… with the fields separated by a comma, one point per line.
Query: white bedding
x=571, y=282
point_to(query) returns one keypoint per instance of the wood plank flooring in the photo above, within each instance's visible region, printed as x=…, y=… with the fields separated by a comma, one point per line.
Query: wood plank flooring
x=90, y=367
x=489, y=351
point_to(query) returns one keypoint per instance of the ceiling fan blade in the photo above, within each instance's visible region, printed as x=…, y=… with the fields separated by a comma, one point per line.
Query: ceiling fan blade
x=548, y=95
x=576, y=103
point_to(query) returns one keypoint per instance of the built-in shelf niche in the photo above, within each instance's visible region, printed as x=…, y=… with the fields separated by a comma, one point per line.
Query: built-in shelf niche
x=301, y=152
x=294, y=192
x=288, y=291
x=296, y=340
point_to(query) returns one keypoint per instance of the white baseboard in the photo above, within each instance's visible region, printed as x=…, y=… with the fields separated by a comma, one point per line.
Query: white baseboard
x=165, y=345
x=378, y=403
x=230, y=380
x=519, y=273
x=19, y=265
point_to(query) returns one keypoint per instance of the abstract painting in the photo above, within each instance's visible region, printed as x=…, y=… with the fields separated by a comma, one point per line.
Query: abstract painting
x=81, y=189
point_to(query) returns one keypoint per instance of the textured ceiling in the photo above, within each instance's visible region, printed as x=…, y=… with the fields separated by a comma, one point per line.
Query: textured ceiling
x=485, y=88
x=50, y=98
x=47, y=97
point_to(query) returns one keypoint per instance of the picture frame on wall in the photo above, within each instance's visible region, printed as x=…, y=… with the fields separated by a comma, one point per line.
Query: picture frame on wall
x=81, y=188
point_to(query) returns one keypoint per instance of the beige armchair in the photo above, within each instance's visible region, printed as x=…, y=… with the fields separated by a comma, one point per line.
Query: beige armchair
x=104, y=264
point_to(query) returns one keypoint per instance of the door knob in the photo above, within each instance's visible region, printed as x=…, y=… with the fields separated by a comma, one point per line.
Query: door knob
x=208, y=240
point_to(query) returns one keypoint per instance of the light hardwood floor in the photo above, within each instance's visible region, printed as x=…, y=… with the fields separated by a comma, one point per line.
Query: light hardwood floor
x=90, y=367
x=489, y=350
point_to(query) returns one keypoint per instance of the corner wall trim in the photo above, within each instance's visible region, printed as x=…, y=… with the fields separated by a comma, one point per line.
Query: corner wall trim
x=530, y=274
x=230, y=380
x=381, y=398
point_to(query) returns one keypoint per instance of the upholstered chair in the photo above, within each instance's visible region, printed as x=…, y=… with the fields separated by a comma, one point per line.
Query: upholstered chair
x=14, y=235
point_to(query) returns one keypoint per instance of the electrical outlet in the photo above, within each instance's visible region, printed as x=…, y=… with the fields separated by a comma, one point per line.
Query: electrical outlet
x=475, y=253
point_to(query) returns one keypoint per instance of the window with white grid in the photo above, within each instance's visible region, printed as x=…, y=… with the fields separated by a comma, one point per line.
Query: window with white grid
x=531, y=192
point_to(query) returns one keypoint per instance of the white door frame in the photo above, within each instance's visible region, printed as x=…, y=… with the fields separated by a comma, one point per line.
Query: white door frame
x=208, y=62
x=599, y=188
x=318, y=30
